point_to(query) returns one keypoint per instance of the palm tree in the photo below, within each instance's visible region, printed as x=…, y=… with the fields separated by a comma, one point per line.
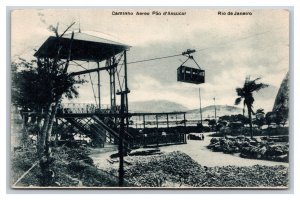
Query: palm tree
x=245, y=93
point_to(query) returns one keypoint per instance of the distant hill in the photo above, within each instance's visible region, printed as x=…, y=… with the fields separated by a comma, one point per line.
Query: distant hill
x=221, y=110
x=156, y=106
x=169, y=106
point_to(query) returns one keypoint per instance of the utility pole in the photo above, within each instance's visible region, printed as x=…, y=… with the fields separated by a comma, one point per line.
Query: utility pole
x=200, y=107
x=126, y=89
x=215, y=109
x=121, y=148
x=123, y=115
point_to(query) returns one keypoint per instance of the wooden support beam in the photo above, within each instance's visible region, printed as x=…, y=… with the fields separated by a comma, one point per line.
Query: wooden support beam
x=158, y=113
x=184, y=139
x=99, y=96
x=93, y=70
x=167, y=121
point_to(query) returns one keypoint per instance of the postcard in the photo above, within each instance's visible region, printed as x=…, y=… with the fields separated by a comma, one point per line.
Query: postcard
x=159, y=98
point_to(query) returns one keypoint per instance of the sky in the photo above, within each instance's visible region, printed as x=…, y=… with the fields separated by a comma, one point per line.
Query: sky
x=229, y=48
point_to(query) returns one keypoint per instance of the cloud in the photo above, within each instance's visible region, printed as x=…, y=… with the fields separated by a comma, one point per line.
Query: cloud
x=229, y=49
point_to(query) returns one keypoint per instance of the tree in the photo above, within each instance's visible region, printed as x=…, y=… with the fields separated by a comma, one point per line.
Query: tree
x=270, y=118
x=235, y=118
x=260, y=117
x=246, y=93
x=212, y=123
x=282, y=109
x=39, y=86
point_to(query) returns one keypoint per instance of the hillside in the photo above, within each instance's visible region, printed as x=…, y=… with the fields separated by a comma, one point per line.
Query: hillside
x=169, y=106
x=282, y=97
x=221, y=110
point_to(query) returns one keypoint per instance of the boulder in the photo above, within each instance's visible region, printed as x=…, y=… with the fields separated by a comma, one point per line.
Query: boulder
x=241, y=137
x=229, y=137
x=144, y=151
x=283, y=158
x=238, y=143
x=253, y=142
x=246, y=144
x=264, y=138
x=217, y=148
x=258, y=140
x=263, y=150
x=214, y=140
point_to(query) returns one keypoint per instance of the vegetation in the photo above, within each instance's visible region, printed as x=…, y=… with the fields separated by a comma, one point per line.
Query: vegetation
x=246, y=93
x=70, y=167
x=38, y=86
x=260, y=118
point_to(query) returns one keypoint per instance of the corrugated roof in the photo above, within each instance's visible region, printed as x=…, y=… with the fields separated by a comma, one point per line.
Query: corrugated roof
x=84, y=47
x=91, y=38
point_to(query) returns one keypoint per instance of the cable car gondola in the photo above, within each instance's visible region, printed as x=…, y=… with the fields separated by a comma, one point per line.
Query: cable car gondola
x=189, y=74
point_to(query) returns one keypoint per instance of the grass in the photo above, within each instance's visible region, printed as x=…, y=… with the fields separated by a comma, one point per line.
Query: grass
x=71, y=168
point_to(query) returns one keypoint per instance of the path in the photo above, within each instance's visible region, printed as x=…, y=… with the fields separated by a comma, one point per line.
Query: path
x=197, y=150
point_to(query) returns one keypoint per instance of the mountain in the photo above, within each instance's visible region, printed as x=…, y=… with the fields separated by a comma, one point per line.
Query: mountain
x=282, y=99
x=221, y=110
x=169, y=106
x=156, y=106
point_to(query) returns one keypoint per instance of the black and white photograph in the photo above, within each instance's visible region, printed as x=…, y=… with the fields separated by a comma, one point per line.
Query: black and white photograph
x=150, y=98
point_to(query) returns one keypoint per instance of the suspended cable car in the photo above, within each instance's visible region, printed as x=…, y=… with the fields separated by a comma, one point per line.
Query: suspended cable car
x=189, y=74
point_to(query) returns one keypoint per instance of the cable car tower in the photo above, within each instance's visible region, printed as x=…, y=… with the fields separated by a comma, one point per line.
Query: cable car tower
x=86, y=48
x=189, y=74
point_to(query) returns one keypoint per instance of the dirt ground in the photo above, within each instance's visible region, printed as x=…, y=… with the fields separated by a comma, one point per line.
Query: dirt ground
x=197, y=150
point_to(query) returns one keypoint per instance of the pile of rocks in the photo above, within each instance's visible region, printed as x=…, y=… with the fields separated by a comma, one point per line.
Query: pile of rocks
x=177, y=169
x=257, y=148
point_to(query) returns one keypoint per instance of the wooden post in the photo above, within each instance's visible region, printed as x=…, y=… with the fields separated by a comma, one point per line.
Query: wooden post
x=144, y=123
x=121, y=135
x=200, y=107
x=184, y=139
x=156, y=121
x=99, y=98
x=126, y=89
x=167, y=120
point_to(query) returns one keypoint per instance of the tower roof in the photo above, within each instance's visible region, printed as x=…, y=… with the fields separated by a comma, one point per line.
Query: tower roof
x=86, y=47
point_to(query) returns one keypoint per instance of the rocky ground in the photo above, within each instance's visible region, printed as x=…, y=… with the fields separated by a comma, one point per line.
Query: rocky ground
x=275, y=149
x=177, y=169
x=157, y=167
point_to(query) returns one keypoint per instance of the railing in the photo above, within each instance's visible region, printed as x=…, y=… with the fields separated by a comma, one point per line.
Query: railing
x=156, y=140
x=128, y=138
x=84, y=108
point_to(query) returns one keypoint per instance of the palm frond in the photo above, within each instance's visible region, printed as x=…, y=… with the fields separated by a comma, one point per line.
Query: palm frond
x=256, y=79
x=240, y=92
x=259, y=86
x=238, y=101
